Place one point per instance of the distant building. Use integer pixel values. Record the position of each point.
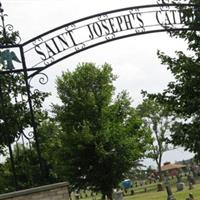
(172, 169)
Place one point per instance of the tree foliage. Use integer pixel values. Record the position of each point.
(27, 167)
(14, 115)
(182, 96)
(101, 137)
(156, 117)
(14, 110)
(50, 143)
(15, 118)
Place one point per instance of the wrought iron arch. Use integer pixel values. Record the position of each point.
(49, 48)
(72, 38)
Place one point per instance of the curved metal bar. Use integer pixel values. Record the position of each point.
(64, 41)
(100, 43)
(103, 14)
(10, 46)
(17, 71)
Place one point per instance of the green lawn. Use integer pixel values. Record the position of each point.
(152, 194)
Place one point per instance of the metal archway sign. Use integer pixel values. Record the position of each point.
(69, 39)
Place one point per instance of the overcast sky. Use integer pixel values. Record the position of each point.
(133, 59)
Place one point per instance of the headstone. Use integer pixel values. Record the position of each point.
(136, 184)
(77, 196)
(179, 178)
(169, 193)
(180, 186)
(191, 178)
(118, 195)
(125, 191)
(168, 188)
(132, 192)
(159, 187)
(179, 183)
(93, 195)
(190, 185)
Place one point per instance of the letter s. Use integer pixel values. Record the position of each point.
(39, 51)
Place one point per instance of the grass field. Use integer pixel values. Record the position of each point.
(152, 194)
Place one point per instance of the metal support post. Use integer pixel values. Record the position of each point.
(34, 125)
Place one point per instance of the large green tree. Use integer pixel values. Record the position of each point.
(182, 96)
(101, 137)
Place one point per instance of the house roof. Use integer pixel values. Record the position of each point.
(170, 166)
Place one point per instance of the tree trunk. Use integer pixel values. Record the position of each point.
(160, 173)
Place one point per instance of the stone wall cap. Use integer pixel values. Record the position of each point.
(33, 190)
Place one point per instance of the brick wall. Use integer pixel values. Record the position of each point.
(57, 191)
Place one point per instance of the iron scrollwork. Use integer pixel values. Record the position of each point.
(70, 27)
(49, 61)
(159, 2)
(42, 79)
(7, 31)
(28, 136)
(134, 11)
(102, 17)
(80, 46)
(110, 36)
(38, 41)
(165, 2)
